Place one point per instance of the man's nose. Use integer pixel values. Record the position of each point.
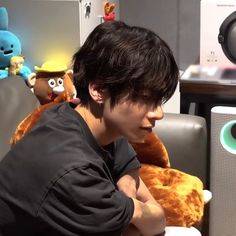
(156, 114)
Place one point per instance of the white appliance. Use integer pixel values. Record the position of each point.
(223, 171)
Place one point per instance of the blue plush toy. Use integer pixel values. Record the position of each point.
(10, 46)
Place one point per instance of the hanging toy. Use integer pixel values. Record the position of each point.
(109, 14)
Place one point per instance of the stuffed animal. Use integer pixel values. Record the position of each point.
(16, 65)
(66, 94)
(10, 47)
(180, 194)
(28, 123)
(48, 81)
(109, 13)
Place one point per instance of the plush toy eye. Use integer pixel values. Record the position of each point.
(60, 81)
(52, 83)
(2, 48)
(11, 45)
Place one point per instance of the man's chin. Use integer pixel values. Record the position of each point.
(137, 139)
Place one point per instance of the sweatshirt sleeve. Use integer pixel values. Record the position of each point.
(84, 202)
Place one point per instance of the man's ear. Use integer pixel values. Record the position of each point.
(96, 92)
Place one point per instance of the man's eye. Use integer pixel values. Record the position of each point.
(146, 97)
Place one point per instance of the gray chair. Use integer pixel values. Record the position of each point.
(16, 102)
(185, 137)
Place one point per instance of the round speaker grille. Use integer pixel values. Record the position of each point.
(228, 136)
(227, 37)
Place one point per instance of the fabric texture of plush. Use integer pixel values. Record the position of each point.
(180, 194)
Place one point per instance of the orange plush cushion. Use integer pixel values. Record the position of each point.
(180, 194)
(152, 151)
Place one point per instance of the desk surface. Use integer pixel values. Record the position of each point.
(209, 81)
(208, 89)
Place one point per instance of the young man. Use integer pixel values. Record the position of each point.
(75, 172)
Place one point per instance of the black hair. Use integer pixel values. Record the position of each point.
(125, 60)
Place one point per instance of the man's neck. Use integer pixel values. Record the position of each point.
(94, 119)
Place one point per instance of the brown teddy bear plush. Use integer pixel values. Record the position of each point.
(180, 194)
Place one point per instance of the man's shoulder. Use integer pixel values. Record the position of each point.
(63, 110)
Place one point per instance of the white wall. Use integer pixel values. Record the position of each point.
(49, 29)
(46, 29)
(173, 105)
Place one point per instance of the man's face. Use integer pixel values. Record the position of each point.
(133, 120)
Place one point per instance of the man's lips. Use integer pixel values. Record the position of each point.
(147, 128)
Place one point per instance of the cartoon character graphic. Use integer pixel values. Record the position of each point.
(10, 46)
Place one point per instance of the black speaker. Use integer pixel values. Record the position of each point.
(227, 37)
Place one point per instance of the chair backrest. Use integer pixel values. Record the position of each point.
(185, 137)
(16, 102)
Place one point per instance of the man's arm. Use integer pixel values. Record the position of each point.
(144, 195)
(148, 217)
(129, 184)
(133, 186)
